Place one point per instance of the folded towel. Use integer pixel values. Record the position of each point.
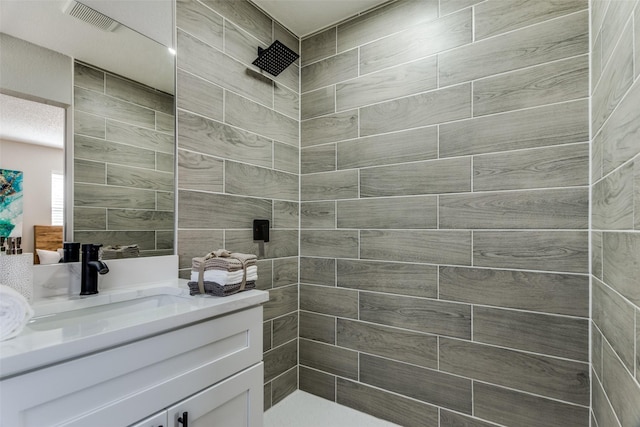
(218, 290)
(224, 260)
(224, 277)
(15, 312)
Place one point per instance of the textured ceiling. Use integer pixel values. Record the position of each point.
(27, 121)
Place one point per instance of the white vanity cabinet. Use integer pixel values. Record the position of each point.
(211, 369)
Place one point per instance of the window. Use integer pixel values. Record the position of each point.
(57, 198)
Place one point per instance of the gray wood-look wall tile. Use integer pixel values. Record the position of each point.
(621, 266)
(265, 269)
(397, 147)
(89, 172)
(329, 71)
(281, 301)
(89, 218)
(618, 134)
(199, 96)
(613, 25)
(596, 59)
(266, 391)
(543, 84)
(452, 103)
(550, 377)
(285, 329)
(329, 185)
(596, 351)
(617, 77)
(637, 346)
(91, 195)
(545, 292)
(318, 102)
(283, 243)
(284, 385)
(429, 246)
(400, 212)
(403, 80)
(318, 327)
(623, 392)
(319, 46)
(317, 383)
(137, 219)
(548, 209)
(328, 358)
(319, 158)
(89, 125)
(636, 26)
(209, 63)
(428, 177)
(537, 127)
(208, 210)
(144, 239)
(563, 251)
(195, 18)
(200, 172)
(329, 300)
(636, 193)
(242, 45)
(450, 6)
(416, 42)
(88, 77)
(555, 39)
(615, 318)
(279, 360)
(125, 176)
(285, 271)
(138, 94)
(597, 156)
(112, 108)
(423, 315)
(166, 122)
(596, 254)
(286, 101)
(452, 419)
(552, 335)
(559, 166)
(318, 215)
(404, 346)
(286, 37)
(197, 243)
(198, 134)
(389, 277)
(497, 404)
(289, 78)
(165, 200)
(285, 214)
(256, 181)
(256, 118)
(386, 406)
(424, 384)
(165, 239)
(266, 335)
(496, 18)
(318, 271)
(384, 21)
(139, 137)
(286, 157)
(246, 15)
(613, 200)
(331, 128)
(600, 406)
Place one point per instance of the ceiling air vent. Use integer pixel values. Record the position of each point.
(90, 16)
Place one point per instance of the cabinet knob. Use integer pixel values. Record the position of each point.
(184, 419)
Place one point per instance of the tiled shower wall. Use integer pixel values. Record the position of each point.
(444, 213)
(616, 212)
(123, 162)
(238, 157)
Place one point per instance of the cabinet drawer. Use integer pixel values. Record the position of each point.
(124, 384)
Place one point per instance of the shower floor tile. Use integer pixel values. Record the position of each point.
(301, 409)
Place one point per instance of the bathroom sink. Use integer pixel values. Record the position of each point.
(100, 315)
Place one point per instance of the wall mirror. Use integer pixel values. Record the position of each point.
(119, 126)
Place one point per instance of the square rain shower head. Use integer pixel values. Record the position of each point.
(275, 58)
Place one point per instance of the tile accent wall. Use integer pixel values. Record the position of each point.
(444, 260)
(615, 213)
(238, 157)
(123, 162)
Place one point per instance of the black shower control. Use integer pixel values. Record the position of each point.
(261, 230)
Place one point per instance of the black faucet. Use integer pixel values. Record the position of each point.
(91, 266)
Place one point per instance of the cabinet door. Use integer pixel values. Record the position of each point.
(234, 402)
(157, 420)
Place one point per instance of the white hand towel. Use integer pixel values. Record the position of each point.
(15, 312)
(223, 277)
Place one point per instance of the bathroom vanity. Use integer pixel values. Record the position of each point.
(147, 357)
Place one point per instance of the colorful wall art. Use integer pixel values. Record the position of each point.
(10, 203)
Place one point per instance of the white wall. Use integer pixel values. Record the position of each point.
(37, 162)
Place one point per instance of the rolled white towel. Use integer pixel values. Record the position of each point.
(223, 277)
(15, 312)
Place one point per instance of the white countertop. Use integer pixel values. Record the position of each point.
(59, 341)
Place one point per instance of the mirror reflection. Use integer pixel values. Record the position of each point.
(118, 116)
